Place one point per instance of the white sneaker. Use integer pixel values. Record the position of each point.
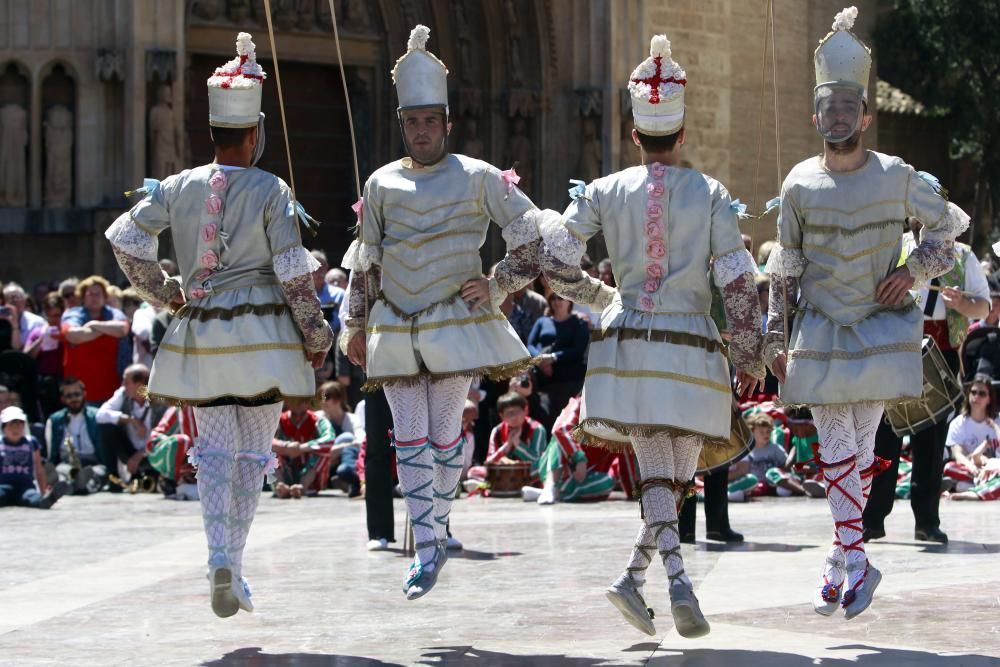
(548, 496)
(737, 497)
(471, 485)
(530, 493)
(454, 544)
(187, 492)
(380, 544)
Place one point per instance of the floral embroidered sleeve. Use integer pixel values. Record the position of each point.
(562, 249)
(734, 274)
(362, 291)
(941, 223)
(301, 297)
(783, 296)
(520, 265)
(135, 249)
(573, 283)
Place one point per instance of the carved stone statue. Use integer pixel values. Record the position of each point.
(307, 15)
(520, 152)
(164, 136)
(239, 11)
(357, 18)
(323, 16)
(58, 157)
(514, 43)
(13, 156)
(472, 145)
(588, 167)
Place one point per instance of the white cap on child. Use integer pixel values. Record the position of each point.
(13, 414)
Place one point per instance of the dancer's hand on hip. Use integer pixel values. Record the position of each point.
(476, 292)
(746, 384)
(357, 350)
(893, 288)
(316, 359)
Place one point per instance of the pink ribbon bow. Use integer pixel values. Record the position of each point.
(359, 209)
(510, 179)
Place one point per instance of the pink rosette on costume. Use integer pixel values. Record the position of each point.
(197, 293)
(203, 275)
(654, 229)
(656, 249)
(213, 204)
(654, 210)
(651, 285)
(655, 189)
(209, 259)
(646, 303)
(208, 232)
(658, 169)
(218, 181)
(654, 271)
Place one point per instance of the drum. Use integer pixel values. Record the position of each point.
(942, 393)
(506, 479)
(716, 455)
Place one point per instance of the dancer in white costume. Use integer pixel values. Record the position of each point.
(248, 326)
(433, 321)
(658, 378)
(855, 340)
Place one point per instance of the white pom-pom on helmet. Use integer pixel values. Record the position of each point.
(659, 45)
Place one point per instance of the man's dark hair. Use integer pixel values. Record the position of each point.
(658, 144)
(229, 137)
(511, 400)
(69, 381)
(586, 263)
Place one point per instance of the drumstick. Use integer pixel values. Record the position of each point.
(938, 288)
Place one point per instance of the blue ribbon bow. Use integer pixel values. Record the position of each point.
(310, 223)
(740, 209)
(579, 190)
(771, 205)
(149, 187)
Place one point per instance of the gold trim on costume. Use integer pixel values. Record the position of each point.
(435, 237)
(436, 224)
(851, 258)
(429, 326)
(499, 372)
(233, 349)
(581, 435)
(273, 392)
(659, 375)
(451, 276)
(449, 254)
(841, 211)
(860, 354)
(657, 336)
(845, 231)
(433, 208)
(226, 314)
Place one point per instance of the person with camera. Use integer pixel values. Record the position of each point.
(74, 449)
(126, 421)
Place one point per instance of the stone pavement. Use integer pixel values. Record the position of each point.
(119, 580)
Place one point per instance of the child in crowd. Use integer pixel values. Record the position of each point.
(21, 466)
(517, 437)
(763, 472)
(972, 435)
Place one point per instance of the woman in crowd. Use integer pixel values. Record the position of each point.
(559, 341)
(972, 434)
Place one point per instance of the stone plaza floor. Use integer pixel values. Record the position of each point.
(119, 580)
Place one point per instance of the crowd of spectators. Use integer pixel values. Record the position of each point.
(75, 356)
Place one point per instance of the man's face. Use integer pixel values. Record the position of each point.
(337, 278)
(606, 276)
(838, 112)
(53, 315)
(297, 408)
(425, 131)
(513, 417)
(73, 397)
(69, 298)
(133, 387)
(319, 274)
(94, 298)
(15, 299)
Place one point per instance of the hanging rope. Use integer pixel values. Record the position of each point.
(774, 79)
(281, 99)
(347, 100)
(760, 112)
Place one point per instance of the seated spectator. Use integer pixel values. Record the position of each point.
(167, 449)
(517, 437)
(566, 473)
(126, 421)
(334, 408)
(301, 432)
(559, 341)
(523, 308)
(972, 435)
(23, 321)
(45, 346)
(763, 472)
(344, 464)
(605, 272)
(21, 467)
(993, 319)
(92, 332)
(538, 404)
(987, 482)
(74, 450)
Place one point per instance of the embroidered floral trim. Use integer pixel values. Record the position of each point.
(559, 241)
(147, 277)
(293, 263)
(518, 268)
(361, 256)
(656, 233)
(785, 261)
(739, 298)
(301, 297)
(125, 235)
(572, 282)
(930, 259)
(784, 290)
(727, 268)
(522, 230)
